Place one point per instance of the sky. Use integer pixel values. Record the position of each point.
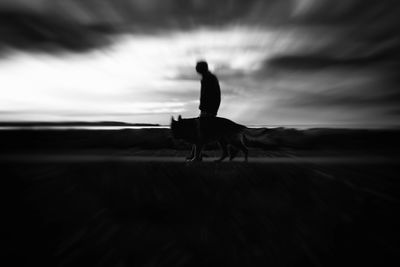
(279, 62)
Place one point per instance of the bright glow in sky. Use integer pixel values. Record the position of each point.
(148, 75)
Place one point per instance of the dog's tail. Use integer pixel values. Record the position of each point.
(255, 135)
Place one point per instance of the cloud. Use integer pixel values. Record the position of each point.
(79, 25)
(316, 62)
(365, 43)
(82, 25)
(366, 30)
(34, 32)
(330, 98)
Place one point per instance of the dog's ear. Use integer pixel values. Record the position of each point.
(172, 119)
(179, 118)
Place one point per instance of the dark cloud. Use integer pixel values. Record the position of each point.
(338, 98)
(366, 37)
(304, 62)
(366, 33)
(192, 13)
(38, 32)
(351, 12)
(82, 24)
(313, 62)
(395, 111)
(85, 24)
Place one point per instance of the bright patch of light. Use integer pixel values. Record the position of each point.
(139, 75)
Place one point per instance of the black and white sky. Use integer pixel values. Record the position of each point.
(280, 62)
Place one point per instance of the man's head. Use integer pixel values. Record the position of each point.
(202, 67)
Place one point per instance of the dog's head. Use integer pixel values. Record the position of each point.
(177, 127)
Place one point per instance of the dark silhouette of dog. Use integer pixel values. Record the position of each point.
(204, 130)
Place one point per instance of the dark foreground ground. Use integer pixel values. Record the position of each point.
(319, 197)
(168, 213)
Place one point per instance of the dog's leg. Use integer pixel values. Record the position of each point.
(198, 150)
(232, 152)
(238, 142)
(224, 148)
(246, 153)
(244, 148)
(192, 153)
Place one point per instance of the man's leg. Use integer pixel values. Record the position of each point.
(192, 153)
(224, 148)
(198, 152)
(199, 129)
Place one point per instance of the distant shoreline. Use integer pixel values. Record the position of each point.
(76, 124)
(115, 125)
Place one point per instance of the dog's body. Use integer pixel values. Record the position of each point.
(201, 131)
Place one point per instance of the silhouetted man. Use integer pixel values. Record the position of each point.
(210, 99)
(210, 92)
